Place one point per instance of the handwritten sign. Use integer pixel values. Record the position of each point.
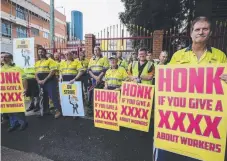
(190, 112)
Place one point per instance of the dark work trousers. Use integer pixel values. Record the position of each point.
(84, 83)
(17, 118)
(50, 89)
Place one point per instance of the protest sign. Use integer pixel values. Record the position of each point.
(190, 111)
(24, 52)
(106, 108)
(136, 105)
(71, 99)
(12, 99)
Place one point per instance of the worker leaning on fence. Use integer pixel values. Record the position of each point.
(16, 119)
(141, 71)
(70, 69)
(197, 53)
(115, 75)
(45, 76)
(33, 89)
(96, 68)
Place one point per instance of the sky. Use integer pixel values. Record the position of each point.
(97, 14)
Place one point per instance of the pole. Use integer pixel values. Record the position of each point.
(52, 32)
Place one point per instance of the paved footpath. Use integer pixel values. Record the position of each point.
(66, 139)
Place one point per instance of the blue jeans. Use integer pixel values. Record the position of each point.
(17, 118)
(50, 89)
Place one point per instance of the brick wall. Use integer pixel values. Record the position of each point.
(89, 45)
(157, 43)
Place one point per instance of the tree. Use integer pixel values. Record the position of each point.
(157, 14)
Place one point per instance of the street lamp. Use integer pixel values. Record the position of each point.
(62, 7)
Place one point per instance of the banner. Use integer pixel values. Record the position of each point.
(136, 105)
(190, 111)
(12, 99)
(23, 52)
(105, 109)
(71, 99)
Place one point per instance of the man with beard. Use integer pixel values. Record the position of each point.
(46, 78)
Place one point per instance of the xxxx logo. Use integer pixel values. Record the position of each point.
(134, 112)
(194, 123)
(106, 115)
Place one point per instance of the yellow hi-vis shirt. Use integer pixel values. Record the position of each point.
(115, 77)
(98, 65)
(30, 72)
(122, 63)
(187, 56)
(84, 63)
(45, 66)
(70, 67)
(8, 68)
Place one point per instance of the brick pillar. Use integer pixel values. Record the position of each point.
(89, 45)
(157, 43)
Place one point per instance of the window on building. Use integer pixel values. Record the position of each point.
(6, 29)
(21, 32)
(21, 12)
(35, 31)
(45, 35)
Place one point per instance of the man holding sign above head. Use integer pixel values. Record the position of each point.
(197, 53)
(115, 75)
(141, 71)
(16, 119)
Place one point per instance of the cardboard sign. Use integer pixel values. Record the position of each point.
(106, 109)
(71, 99)
(12, 99)
(190, 111)
(136, 106)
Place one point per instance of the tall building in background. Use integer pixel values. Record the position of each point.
(69, 31)
(77, 25)
(30, 18)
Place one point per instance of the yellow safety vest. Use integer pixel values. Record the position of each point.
(122, 63)
(7, 68)
(115, 77)
(71, 67)
(135, 71)
(98, 65)
(45, 66)
(30, 72)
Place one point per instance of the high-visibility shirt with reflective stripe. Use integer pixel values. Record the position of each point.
(70, 67)
(115, 77)
(8, 68)
(84, 63)
(123, 63)
(30, 72)
(45, 66)
(58, 67)
(187, 56)
(98, 65)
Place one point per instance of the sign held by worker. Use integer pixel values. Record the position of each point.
(136, 105)
(23, 52)
(106, 109)
(12, 99)
(71, 99)
(190, 111)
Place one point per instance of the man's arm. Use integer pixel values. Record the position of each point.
(52, 72)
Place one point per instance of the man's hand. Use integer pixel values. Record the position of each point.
(72, 81)
(41, 82)
(117, 89)
(224, 77)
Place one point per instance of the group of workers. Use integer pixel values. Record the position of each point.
(109, 74)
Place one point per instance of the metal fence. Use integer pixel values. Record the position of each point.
(173, 41)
